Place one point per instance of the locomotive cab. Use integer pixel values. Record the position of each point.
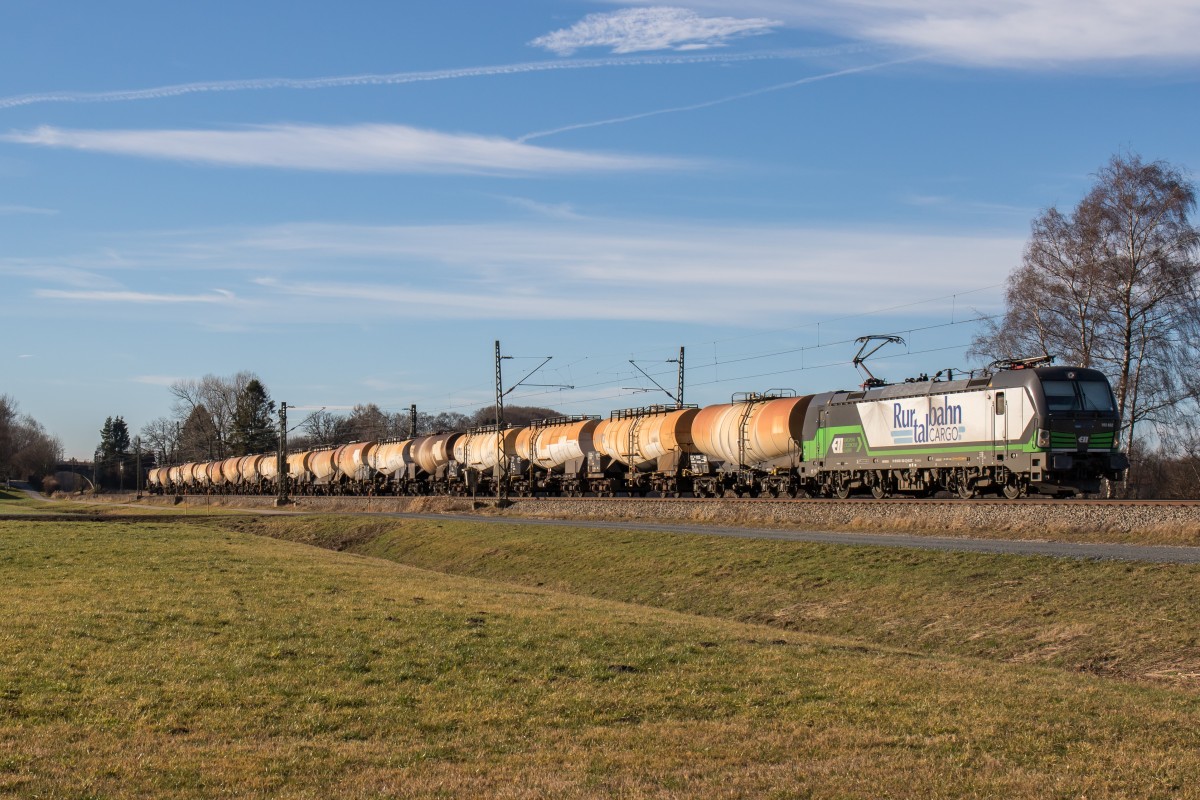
(1077, 434)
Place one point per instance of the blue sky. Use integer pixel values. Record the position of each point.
(354, 200)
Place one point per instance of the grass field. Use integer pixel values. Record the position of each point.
(187, 658)
(1130, 620)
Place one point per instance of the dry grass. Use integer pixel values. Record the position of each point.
(1129, 620)
(159, 659)
(1065, 521)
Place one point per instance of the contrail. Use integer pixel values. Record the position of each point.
(709, 103)
(258, 84)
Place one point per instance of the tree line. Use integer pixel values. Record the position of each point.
(221, 417)
(213, 418)
(27, 451)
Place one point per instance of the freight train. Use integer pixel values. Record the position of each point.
(1022, 429)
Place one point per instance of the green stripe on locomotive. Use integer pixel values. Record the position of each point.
(818, 448)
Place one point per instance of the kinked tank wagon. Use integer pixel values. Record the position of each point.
(1021, 430)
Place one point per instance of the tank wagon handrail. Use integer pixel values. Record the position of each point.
(646, 411)
(491, 428)
(758, 397)
(549, 421)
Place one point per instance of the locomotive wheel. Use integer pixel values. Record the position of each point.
(841, 491)
(879, 491)
(966, 492)
(1013, 490)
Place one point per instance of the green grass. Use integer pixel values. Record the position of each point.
(14, 501)
(160, 659)
(1129, 620)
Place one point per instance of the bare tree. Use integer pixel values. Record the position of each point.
(161, 437)
(8, 418)
(27, 451)
(320, 428)
(513, 415)
(369, 422)
(35, 452)
(199, 439)
(219, 397)
(1114, 285)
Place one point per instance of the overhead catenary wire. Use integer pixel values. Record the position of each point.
(614, 375)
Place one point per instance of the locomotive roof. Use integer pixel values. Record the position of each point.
(1000, 380)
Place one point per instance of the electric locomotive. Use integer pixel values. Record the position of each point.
(1023, 429)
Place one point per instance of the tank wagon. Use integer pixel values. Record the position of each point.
(643, 450)
(551, 456)
(1020, 430)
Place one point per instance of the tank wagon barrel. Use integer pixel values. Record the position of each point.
(639, 450)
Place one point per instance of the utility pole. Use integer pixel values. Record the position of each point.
(281, 458)
(678, 396)
(679, 392)
(137, 481)
(498, 470)
(500, 393)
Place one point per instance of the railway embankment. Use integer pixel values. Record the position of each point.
(1069, 520)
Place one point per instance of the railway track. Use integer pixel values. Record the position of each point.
(913, 502)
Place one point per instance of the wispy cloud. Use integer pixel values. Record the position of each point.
(718, 101)
(585, 270)
(399, 78)
(356, 148)
(543, 269)
(1003, 33)
(633, 30)
(10, 210)
(550, 210)
(218, 296)
(157, 380)
(969, 206)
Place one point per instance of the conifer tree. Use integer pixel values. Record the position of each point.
(253, 421)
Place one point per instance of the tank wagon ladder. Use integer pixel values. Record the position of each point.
(537, 427)
(636, 482)
(746, 479)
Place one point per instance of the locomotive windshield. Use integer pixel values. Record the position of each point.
(1078, 395)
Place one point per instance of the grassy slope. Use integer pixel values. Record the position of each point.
(13, 501)
(1113, 618)
(169, 660)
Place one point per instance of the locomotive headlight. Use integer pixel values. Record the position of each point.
(1043, 437)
